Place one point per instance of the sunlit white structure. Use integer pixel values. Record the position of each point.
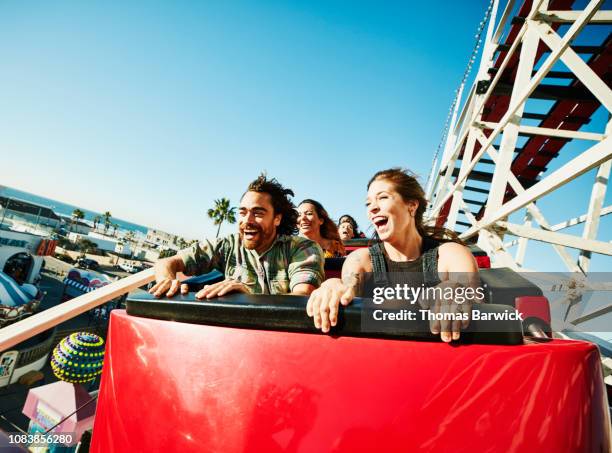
(485, 175)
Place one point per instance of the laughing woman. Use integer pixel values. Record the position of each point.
(315, 224)
(395, 206)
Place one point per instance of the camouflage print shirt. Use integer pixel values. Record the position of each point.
(290, 260)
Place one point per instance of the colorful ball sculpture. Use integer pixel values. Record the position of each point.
(78, 358)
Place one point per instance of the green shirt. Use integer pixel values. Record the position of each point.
(290, 261)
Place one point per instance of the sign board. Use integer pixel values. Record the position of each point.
(8, 360)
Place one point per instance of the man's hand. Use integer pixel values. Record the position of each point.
(222, 288)
(166, 283)
(324, 302)
(168, 287)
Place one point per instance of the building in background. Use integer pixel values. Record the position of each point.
(104, 243)
(17, 214)
(162, 240)
(76, 226)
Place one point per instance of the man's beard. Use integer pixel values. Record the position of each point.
(253, 236)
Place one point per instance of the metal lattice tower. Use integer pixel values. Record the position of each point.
(481, 156)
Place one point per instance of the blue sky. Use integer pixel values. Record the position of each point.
(153, 109)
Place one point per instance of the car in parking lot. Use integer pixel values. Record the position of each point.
(87, 263)
(130, 267)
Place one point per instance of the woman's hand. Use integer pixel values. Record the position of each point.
(324, 302)
(460, 313)
(222, 288)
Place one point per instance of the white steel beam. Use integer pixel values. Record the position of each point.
(452, 146)
(492, 244)
(567, 240)
(549, 132)
(488, 50)
(591, 225)
(451, 138)
(522, 242)
(458, 194)
(442, 195)
(468, 212)
(466, 111)
(507, 245)
(443, 187)
(532, 130)
(511, 129)
(600, 17)
(577, 65)
(593, 157)
(486, 62)
(503, 20)
(578, 220)
(533, 209)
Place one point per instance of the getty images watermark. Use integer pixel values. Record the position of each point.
(443, 302)
(493, 300)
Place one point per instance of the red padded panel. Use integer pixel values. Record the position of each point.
(171, 386)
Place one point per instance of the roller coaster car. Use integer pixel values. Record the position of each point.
(250, 373)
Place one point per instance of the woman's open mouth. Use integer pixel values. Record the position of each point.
(380, 222)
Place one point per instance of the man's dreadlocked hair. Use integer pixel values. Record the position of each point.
(281, 202)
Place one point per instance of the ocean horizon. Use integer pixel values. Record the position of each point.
(66, 209)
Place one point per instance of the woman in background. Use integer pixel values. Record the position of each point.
(315, 224)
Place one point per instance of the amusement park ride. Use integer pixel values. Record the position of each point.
(250, 373)
(481, 143)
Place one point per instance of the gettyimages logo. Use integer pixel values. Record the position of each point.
(502, 298)
(412, 294)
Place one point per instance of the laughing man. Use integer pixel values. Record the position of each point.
(262, 258)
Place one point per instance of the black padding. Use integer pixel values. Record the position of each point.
(288, 313)
(197, 283)
(503, 286)
(334, 264)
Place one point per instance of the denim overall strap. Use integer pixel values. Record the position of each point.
(379, 266)
(430, 267)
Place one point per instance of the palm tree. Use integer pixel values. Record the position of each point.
(107, 220)
(87, 246)
(115, 226)
(222, 213)
(96, 220)
(77, 214)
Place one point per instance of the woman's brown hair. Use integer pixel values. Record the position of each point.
(329, 230)
(406, 184)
